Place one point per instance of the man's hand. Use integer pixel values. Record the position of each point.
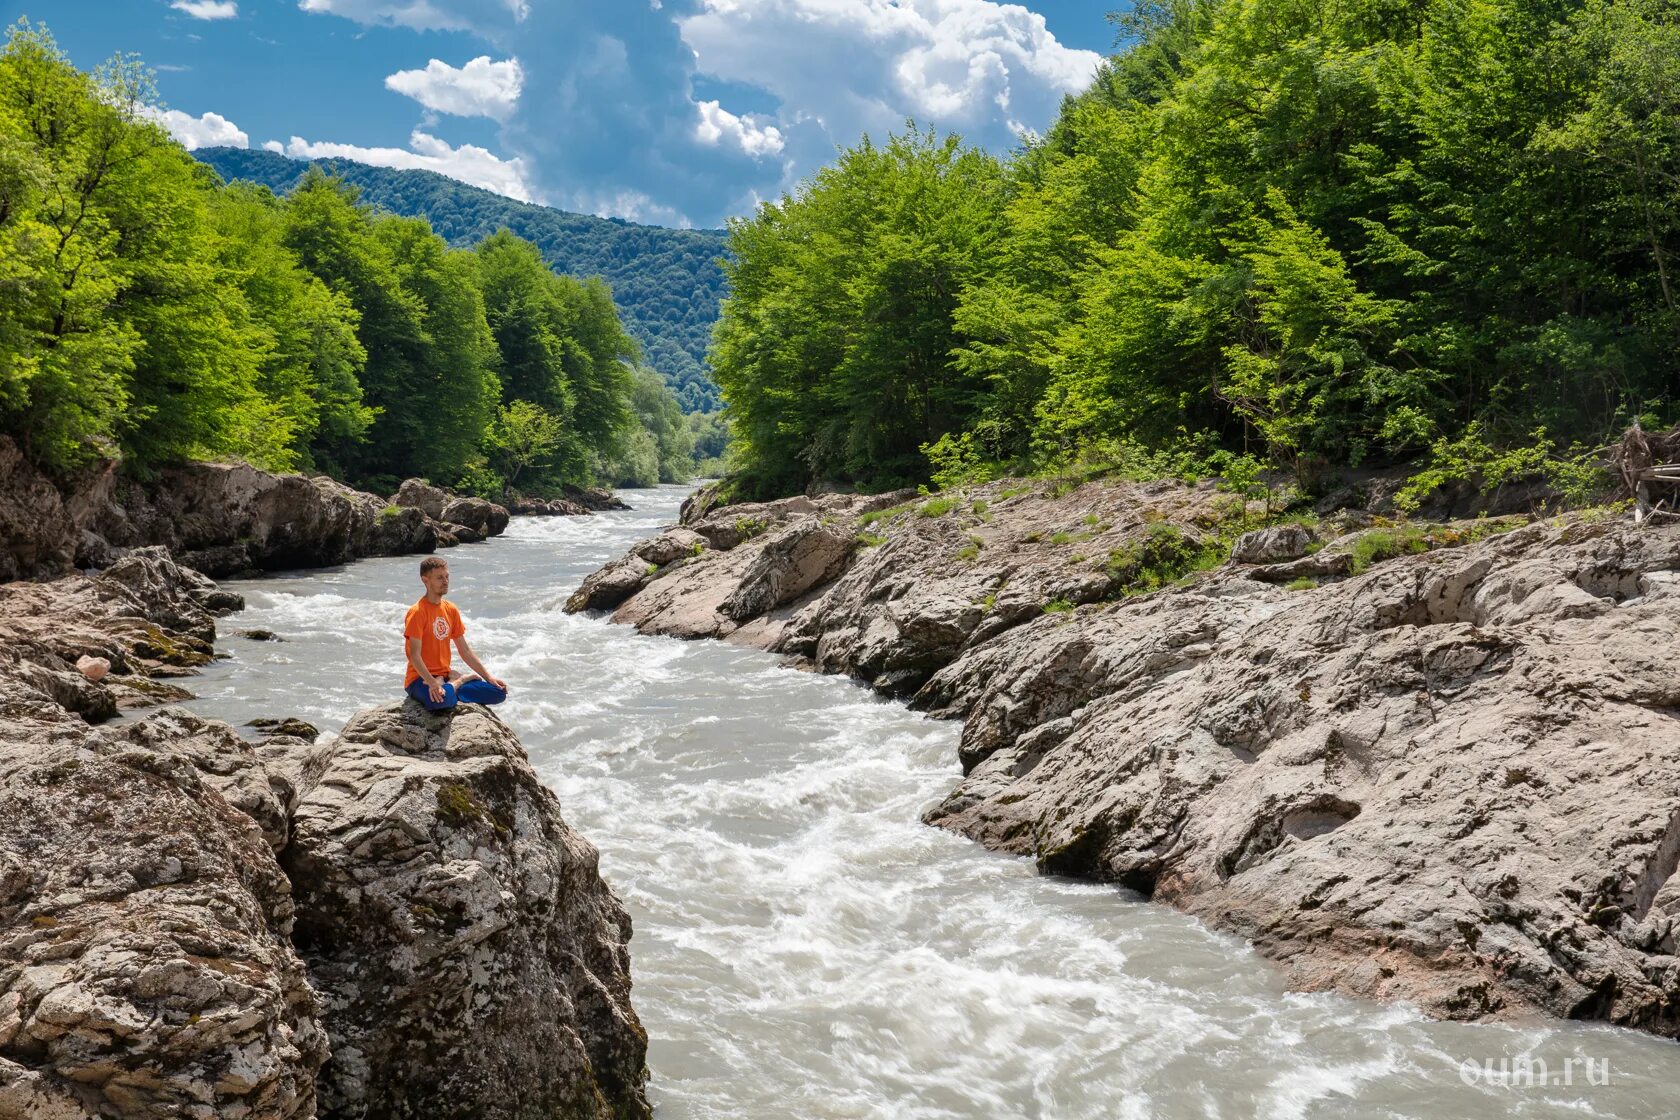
(435, 691)
(499, 683)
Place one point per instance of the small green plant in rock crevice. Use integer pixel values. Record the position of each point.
(1163, 557)
(883, 514)
(1385, 544)
(750, 527)
(937, 507)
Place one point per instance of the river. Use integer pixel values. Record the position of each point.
(805, 947)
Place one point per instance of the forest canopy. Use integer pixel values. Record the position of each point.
(151, 313)
(1330, 234)
(666, 282)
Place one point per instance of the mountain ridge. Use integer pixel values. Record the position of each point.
(666, 282)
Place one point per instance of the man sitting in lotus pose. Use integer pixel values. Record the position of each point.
(431, 625)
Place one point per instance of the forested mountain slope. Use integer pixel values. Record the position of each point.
(666, 282)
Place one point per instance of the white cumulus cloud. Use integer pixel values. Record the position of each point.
(866, 65)
(755, 139)
(207, 131)
(207, 9)
(423, 15)
(469, 163)
(481, 88)
(621, 106)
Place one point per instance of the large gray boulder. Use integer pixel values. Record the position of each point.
(1447, 781)
(609, 586)
(792, 561)
(417, 493)
(1274, 544)
(474, 962)
(190, 923)
(146, 965)
(485, 518)
(671, 545)
(227, 518)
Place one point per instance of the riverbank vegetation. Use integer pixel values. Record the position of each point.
(152, 313)
(1271, 233)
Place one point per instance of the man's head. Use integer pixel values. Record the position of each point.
(434, 574)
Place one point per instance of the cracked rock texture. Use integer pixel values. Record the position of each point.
(217, 518)
(396, 923)
(146, 967)
(1453, 778)
(472, 962)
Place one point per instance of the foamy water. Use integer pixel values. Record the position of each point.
(805, 947)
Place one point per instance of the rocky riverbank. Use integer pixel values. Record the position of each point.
(226, 519)
(394, 922)
(1437, 763)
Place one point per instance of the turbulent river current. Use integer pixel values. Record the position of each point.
(805, 948)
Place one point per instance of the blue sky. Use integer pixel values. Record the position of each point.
(675, 112)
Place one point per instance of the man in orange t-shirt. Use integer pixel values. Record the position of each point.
(430, 626)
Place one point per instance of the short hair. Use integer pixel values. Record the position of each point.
(432, 564)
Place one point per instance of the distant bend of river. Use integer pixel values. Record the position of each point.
(805, 948)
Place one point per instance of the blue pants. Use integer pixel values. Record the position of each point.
(473, 692)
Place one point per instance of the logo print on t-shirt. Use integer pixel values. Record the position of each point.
(440, 628)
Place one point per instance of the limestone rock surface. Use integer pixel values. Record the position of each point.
(225, 518)
(487, 519)
(146, 966)
(1453, 778)
(473, 961)
(191, 923)
(39, 534)
(417, 493)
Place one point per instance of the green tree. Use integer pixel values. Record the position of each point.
(524, 436)
(309, 356)
(435, 421)
(333, 238)
(834, 346)
(121, 327)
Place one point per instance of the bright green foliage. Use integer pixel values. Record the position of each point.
(334, 239)
(120, 325)
(1377, 545)
(659, 447)
(1573, 473)
(834, 347)
(956, 460)
(147, 310)
(444, 390)
(309, 358)
(1327, 234)
(525, 435)
(64, 366)
(709, 434)
(666, 282)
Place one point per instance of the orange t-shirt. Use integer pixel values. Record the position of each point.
(436, 627)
